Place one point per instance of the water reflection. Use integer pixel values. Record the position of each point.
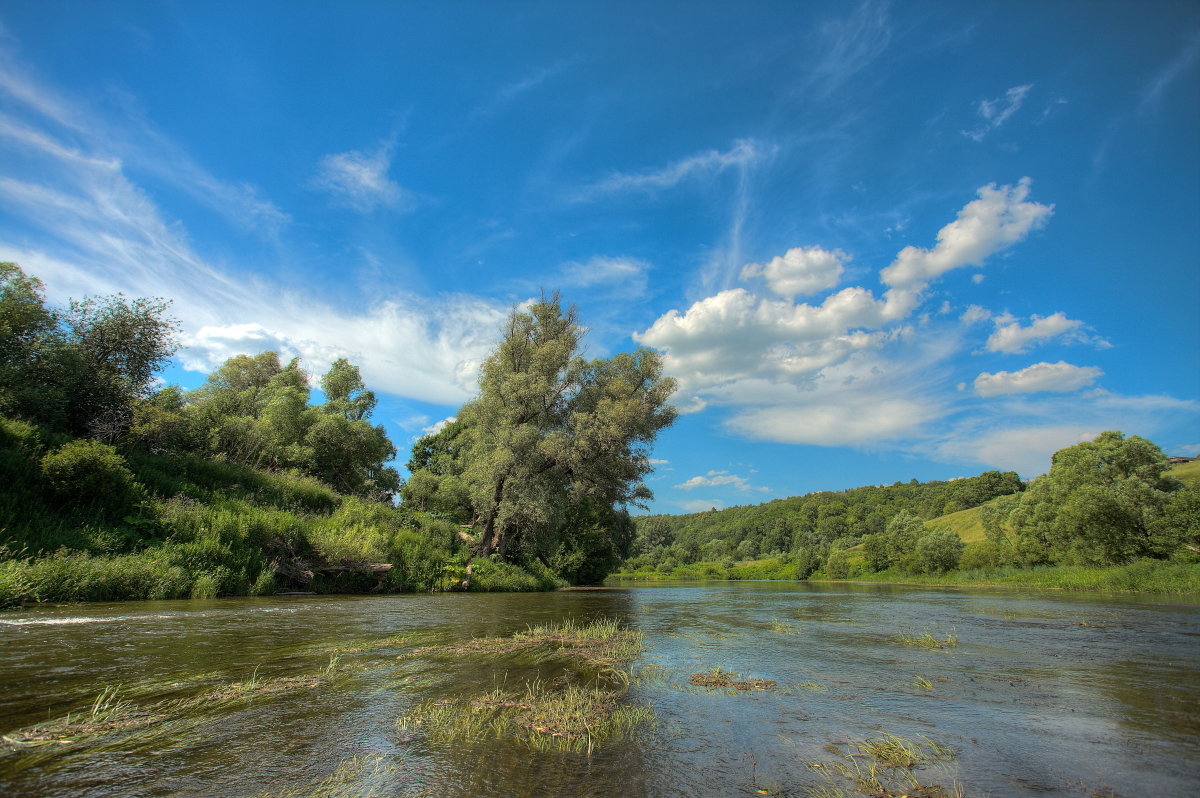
(1042, 694)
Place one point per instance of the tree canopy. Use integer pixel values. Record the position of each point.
(554, 444)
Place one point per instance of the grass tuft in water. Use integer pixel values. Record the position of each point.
(930, 641)
(356, 777)
(923, 683)
(720, 679)
(884, 766)
(575, 718)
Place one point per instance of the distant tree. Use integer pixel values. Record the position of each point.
(938, 551)
(1102, 501)
(82, 369)
(837, 566)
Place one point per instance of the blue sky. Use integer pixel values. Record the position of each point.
(874, 242)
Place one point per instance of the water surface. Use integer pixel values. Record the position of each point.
(1045, 694)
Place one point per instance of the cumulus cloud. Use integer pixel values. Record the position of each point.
(1000, 218)
(1011, 337)
(995, 112)
(714, 479)
(438, 426)
(736, 335)
(705, 164)
(359, 180)
(800, 271)
(1060, 377)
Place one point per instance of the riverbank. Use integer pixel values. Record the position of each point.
(1143, 576)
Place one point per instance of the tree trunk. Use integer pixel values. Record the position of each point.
(489, 540)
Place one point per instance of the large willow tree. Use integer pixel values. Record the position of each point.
(553, 438)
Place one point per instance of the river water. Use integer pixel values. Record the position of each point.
(1045, 694)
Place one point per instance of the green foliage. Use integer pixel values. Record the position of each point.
(938, 551)
(489, 575)
(1103, 501)
(85, 472)
(804, 527)
(545, 459)
(79, 370)
(837, 566)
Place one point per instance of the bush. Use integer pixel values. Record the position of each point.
(87, 472)
(937, 552)
(837, 567)
(495, 576)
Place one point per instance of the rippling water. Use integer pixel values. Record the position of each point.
(1045, 694)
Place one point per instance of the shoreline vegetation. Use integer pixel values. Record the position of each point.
(121, 488)
(1143, 576)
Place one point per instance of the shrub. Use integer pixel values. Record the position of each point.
(937, 552)
(87, 472)
(837, 567)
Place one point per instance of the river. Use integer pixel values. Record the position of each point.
(1044, 694)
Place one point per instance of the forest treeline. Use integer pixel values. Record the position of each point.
(1108, 502)
(118, 487)
(801, 532)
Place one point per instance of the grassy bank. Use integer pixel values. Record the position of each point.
(1143, 576)
(139, 526)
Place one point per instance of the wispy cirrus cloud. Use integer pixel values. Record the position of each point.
(358, 179)
(85, 225)
(995, 112)
(58, 133)
(1185, 58)
(705, 164)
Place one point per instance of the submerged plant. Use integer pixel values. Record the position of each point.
(717, 678)
(928, 640)
(574, 718)
(884, 766)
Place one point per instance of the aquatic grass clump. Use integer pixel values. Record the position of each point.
(929, 641)
(112, 716)
(355, 777)
(577, 711)
(721, 679)
(603, 646)
(574, 718)
(884, 766)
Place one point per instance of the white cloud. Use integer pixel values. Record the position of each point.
(1184, 60)
(735, 335)
(359, 180)
(1020, 434)
(854, 419)
(627, 274)
(1057, 377)
(802, 270)
(1011, 338)
(714, 479)
(97, 232)
(654, 461)
(1000, 218)
(996, 112)
(708, 163)
(973, 314)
